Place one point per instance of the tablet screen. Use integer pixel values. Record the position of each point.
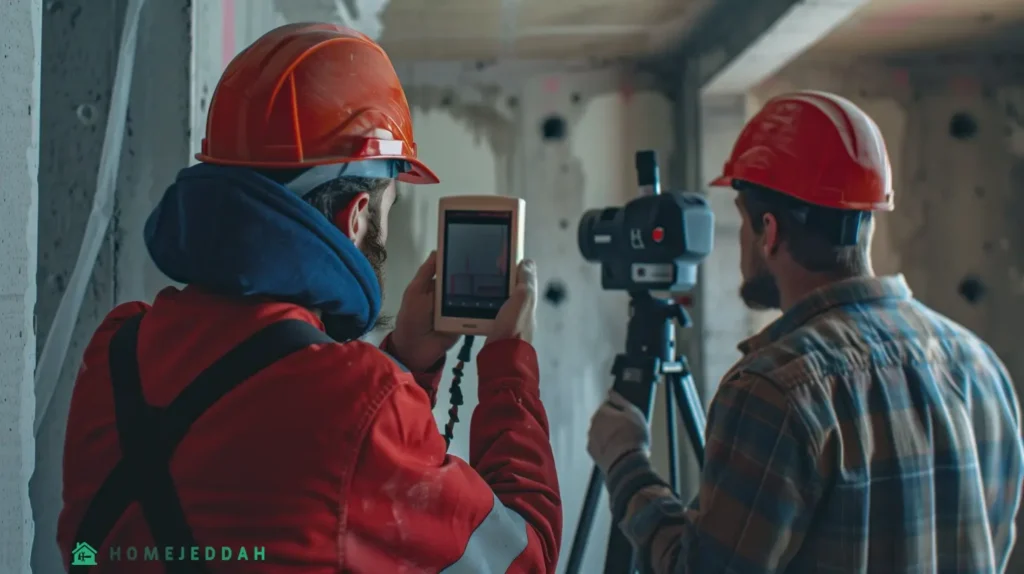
(476, 263)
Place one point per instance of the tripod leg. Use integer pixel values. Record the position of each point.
(673, 439)
(619, 556)
(579, 542)
(619, 559)
(692, 411)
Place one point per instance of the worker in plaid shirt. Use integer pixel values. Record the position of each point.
(861, 431)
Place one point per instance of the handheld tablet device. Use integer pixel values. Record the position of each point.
(479, 246)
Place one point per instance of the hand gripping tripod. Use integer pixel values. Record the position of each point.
(650, 355)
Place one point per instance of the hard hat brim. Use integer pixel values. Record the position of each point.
(420, 174)
(721, 181)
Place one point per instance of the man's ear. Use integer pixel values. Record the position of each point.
(770, 234)
(354, 219)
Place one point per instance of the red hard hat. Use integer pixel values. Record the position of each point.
(816, 147)
(311, 94)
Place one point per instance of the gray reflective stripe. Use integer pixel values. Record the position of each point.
(499, 540)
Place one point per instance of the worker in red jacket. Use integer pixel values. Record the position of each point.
(239, 424)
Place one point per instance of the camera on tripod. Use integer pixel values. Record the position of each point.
(653, 243)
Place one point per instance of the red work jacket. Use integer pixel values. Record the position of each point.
(327, 461)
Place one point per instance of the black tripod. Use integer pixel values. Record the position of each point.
(650, 354)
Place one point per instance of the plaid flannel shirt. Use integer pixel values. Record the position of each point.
(861, 432)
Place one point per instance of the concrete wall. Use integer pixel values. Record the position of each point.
(79, 56)
(221, 29)
(955, 131)
(19, 197)
(157, 139)
(578, 339)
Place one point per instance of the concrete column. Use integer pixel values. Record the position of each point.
(687, 176)
(19, 200)
(79, 57)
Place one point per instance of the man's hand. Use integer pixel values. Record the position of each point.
(415, 342)
(617, 429)
(518, 316)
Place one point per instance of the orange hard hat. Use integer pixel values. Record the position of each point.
(307, 95)
(816, 147)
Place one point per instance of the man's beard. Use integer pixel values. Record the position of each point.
(761, 291)
(377, 254)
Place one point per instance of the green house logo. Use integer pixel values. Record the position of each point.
(83, 555)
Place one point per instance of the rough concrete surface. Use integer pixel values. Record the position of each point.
(78, 60)
(19, 161)
(156, 144)
(79, 57)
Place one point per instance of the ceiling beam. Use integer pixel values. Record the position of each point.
(736, 44)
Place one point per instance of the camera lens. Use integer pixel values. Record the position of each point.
(585, 235)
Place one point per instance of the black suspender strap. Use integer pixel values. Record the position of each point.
(147, 457)
(149, 436)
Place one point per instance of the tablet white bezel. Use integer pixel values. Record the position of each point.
(515, 205)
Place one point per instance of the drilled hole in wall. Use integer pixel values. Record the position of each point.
(972, 289)
(962, 126)
(86, 114)
(563, 224)
(575, 97)
(553, 128)
(555, 292)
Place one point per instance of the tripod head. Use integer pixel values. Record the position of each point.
(649, 332)
(650, 348)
